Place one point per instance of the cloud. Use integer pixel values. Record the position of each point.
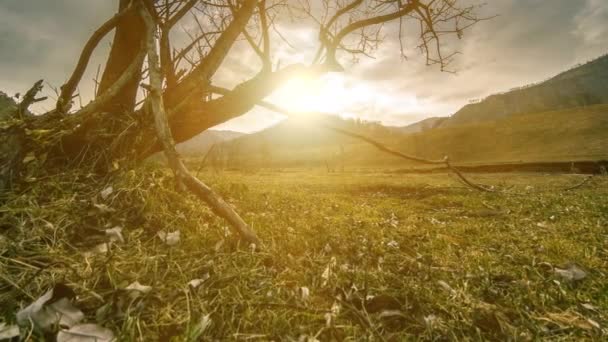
(529, 41)
(43, 39)
(591, 28)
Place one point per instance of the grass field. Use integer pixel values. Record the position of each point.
(345, 256)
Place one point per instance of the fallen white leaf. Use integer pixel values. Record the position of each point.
(102, 248)
(115, 234)
(37, 312)
(329, 317)
(104, 208)
(86, 333)
(218, 245)
(572, 273)
(105, 193)
(8, 331)
(446, 286)
(136, 286)
(328, 270)
(68, 314)
(307, 338)
(205, 322)
(304, 293)
(430, 320)
(335, 308)
(200, 328)
(170, 239)
(589, 307)
(194, 283)
(393, 244)
(29, 157)
(594, 324)
(45, 315)
(436, 222)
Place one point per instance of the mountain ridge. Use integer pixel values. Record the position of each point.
(201, 143)
(583, 85)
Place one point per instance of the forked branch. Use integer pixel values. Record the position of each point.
(67, 90)
(30, 98)
(155, 103)
(115, 88)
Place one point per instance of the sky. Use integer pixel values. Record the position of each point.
(528, 41)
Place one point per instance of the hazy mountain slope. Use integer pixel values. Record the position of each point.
(581, 86)
(307, 131)
(570, 134)
(421, 126)
(200, 144)
(305, 142)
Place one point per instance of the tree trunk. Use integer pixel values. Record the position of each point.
(127, 43)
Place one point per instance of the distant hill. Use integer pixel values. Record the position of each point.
(581, 86)
(303, 141)
(200, 144)
(562, 135)
(307, 130)
(421, 126)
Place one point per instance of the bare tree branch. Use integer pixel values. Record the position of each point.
(166, 62)
(217, 204)
(67, 90)
(336, 41)
(30, 98)
(209, 65)
(111, 92)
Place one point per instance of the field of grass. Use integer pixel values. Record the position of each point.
(345, 256)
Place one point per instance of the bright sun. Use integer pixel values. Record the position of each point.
(327, 94)
(334, 94)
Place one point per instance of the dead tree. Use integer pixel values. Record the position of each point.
(179, 101)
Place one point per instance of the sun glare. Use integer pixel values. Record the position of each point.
(303, 95)
(333, 94)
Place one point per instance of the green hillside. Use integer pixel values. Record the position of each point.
(583, 85)
(564, 135)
